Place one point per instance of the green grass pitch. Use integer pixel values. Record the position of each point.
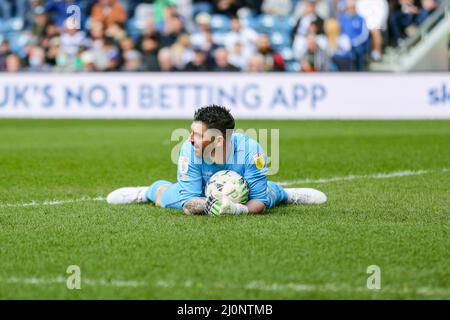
(399, 223)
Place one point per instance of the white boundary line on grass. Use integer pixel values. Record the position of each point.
(385, 175)
(253, 285)
(35, 203)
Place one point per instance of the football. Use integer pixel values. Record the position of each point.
(228, 183)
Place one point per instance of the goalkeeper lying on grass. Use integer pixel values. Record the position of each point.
(212, 130)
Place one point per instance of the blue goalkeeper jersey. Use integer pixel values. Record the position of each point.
(246, 158)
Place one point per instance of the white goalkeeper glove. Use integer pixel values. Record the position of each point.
(219, 204)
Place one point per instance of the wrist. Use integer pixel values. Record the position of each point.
(240, 209)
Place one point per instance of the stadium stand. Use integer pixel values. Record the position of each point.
(184, 35)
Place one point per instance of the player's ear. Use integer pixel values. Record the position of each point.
(220, 141)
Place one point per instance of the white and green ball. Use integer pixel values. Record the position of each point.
(228, 183)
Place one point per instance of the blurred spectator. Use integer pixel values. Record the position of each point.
(58, 10)
(354, 26)
(181, 51)
(428, 7)
(116, 32)
(165, 61)
(339, 46)
(323, 8)
(71, 40)
(160, 9)
(312, 54)
(132, 61)
(111, 55)
(237, 58)
(221, 61)
(277, 7)
(199, 62)
(406, 16)
(198, 37)
(4, 52)
(302, 25)
(108, 12)
(52, 51)
(36, 60)
(172, 29)
(256, 63)
(149, 48)
(154, 35)
(273, 61)
(51, 31)
(40, 22)
(87, 61)
(226, 7)
(375, 12)
(13, 63)
(126, 45)
(149, 28)
(253, 5)
(245, 37)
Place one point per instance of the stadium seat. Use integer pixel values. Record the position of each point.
(252, 23)
(279, 40)
(17, 42)
(268, 23)
(201, 7)
(293, 66)
(220, 23)
(13, 24)
(134, 28)
(287, 54)
(143, 11)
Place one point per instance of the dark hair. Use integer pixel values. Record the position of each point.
(215, 117)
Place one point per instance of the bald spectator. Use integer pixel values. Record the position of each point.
(165, 61)
(221, 61)
(256, 63)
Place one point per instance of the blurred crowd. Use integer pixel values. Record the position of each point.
(199, 35)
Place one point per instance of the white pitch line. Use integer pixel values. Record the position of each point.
(254, 285)
(35, 203)
(383, 175)
(62, 280)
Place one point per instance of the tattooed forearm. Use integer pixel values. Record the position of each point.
(194, 206)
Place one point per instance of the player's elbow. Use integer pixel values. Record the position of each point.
(256, 206)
